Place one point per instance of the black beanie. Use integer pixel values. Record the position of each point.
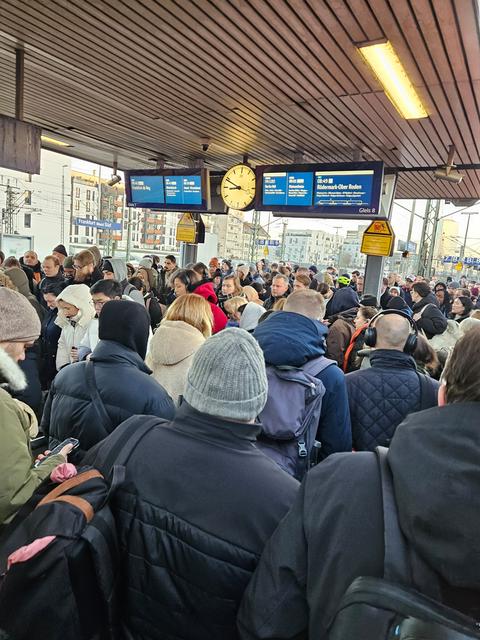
(396, 302)
(61, 249)
(127, 323)
(368, 300)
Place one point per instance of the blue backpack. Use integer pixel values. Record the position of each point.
(291, 416)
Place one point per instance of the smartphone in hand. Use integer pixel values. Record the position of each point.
(69, 441)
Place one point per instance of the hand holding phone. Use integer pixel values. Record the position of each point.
(64, 448)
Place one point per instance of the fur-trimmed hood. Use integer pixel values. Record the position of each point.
(10, 373)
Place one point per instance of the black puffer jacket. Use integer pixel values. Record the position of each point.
(381, 396)
(125, 386)
(198, 505)
(428, 316)
(317, 551)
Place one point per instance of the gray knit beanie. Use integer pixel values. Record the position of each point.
(18, 319)
(227, 377)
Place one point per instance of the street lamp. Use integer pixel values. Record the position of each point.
(464, 246)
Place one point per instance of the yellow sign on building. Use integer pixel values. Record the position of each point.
(378, 239)
(187, 229)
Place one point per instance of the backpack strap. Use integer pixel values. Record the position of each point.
(396, 563)
(126, 438)
(315, 366)
(97, 402)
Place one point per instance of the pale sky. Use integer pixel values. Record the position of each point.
(400, 217)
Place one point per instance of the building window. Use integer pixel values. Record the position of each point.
(28, 197)
(77, 192)
(93, 196)
(27, 220)
(76, 230)
(87, 206)
(88, 194)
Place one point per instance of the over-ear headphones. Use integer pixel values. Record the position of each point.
(371, 332)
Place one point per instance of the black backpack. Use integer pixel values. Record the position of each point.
(68, 590)
(383, 609)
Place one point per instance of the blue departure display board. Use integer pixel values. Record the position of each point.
(147, 189)
(174, 189)
(349, 190)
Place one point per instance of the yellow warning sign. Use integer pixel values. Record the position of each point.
(265, 251)
(459, 266)
(187, 229)
(378, 239)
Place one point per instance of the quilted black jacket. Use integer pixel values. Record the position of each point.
(198, 505)
(383, 395)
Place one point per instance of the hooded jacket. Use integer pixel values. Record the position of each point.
(290, 339)
(340, 332)
(251, 315)
(198, 504)
(428, 316)
(125, 386)
(382, 395)
(219, 318)
(18, 477)
(73, 329)
(119, 269)
(343, 299)
(334, 531)
(20, 280)
(171, 353)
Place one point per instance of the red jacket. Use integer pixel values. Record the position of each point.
(219, 318)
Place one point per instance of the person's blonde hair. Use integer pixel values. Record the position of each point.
(251, 294)
(233, 304)
(194, 310)
(279, 304)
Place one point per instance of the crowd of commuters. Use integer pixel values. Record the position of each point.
(254, 501)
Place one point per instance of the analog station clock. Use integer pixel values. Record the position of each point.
(238, 187)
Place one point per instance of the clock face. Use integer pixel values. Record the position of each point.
(238, 187)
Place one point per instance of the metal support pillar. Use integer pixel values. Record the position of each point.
(253, 240)
(284, 234)
(19, 82)
(188, 253)
(373, 276)
(429, 234)
(129, 233)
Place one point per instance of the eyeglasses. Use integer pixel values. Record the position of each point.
(100, 304)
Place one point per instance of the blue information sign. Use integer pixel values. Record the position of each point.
(275, 188)
(192, 190)
(349, 190)
(288, 189)
(174, 189)
(98, 224)
(299, 189)
(343, 188)
(147, 189)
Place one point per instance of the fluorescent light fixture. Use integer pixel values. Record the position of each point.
(59, 143)
(392, 76)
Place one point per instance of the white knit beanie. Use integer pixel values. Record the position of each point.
(227, 377)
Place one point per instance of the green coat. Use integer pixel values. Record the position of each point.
(18, 477)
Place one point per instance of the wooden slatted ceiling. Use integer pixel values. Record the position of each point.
(131, 79)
